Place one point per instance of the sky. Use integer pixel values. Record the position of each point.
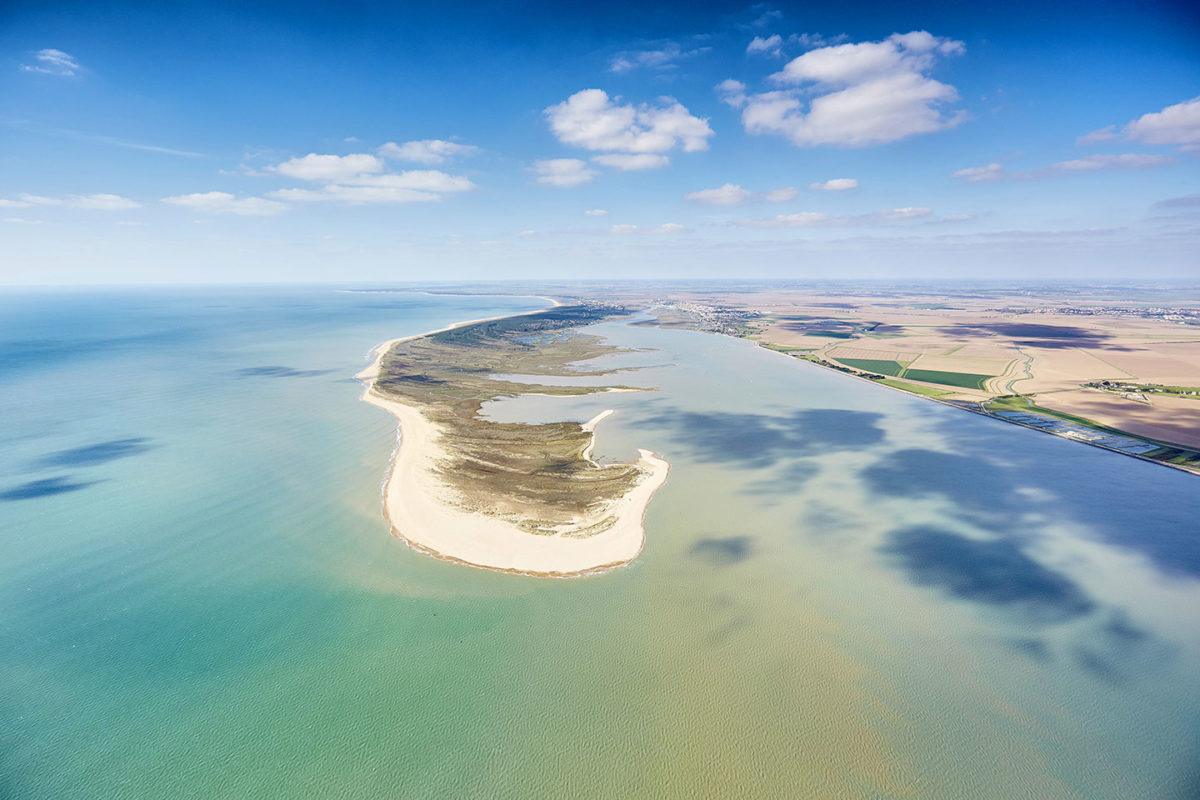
(332, 142)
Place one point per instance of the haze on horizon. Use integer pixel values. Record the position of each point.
(262, 142)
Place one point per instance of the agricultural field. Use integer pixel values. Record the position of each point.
(972, 346)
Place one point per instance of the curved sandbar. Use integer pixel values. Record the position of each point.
(588, 526)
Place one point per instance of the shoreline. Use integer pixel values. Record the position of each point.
(419, 513)
(980, 411)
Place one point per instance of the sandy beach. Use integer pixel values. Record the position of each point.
(418, 506)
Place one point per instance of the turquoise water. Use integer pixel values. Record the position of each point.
(845, 591)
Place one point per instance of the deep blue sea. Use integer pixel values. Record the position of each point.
(845, 591)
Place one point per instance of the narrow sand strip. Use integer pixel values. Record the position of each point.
(416, 504)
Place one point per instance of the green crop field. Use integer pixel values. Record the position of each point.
(880, 366)
(967, 380)
(915, 388)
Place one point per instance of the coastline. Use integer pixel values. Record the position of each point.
(420, 513)
(981, 412)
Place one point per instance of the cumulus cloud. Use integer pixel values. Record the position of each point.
(732, 194)
(591, 120)
(360, 178)
(665, 56)
(855, 95)
(728, 195)
(732, 93)
(1178, 125)
(53, 62)
(562, 172)
(102, 202)
(426, 151)
(769, 46)
(997, 172)
(626, 162)
(834, 185)
(596, 212)
(225, 203)
(316, 167)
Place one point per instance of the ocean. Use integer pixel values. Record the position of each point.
(845, 591)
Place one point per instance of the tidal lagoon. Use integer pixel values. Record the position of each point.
(844, 591)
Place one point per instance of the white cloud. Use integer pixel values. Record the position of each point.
(732, 93)
(527, 232)
(997, 172)
(356, 195)
(589, 119)
(21, 221)
(908, 212)
(103, 202)
(770, 46)
(360, 179)
(38, 200)
(812, 40)
(666, 227)
(728, 195)
(426, 151)
(225, 203)
(991, 172)
(1103, 135)
(802, 219)
(656, 230)
(91, 202)
(562, 172)
(807, 219)
(315, 167)
(854, 95)
(596, 212)
(425, 180)
(834, 185)
(1178, 125)
(53, 62)
(626, 162)
(732, 194)
(1123, 161)
(663, 57)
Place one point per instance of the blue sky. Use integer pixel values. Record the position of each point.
(212, 142)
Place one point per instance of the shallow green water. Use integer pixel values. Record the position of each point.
(845, 591)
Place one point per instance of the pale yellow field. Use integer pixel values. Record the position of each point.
(1171, 419)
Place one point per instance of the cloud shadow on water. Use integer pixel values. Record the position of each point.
(996, 573)
(94, 454)
(723, 551)
(46, 487)
(971, 483)
(762, 440)
(280, 372)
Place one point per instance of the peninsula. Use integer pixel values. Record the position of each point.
(512, 497)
